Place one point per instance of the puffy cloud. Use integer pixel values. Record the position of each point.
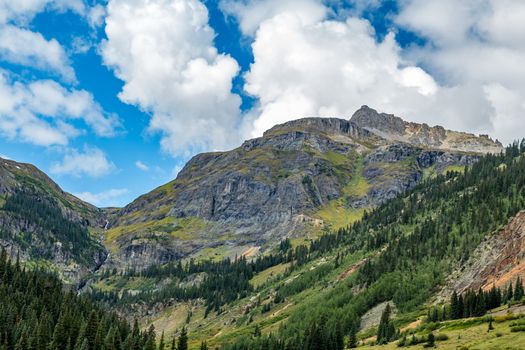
(19, 45)
(22, 11)
(476, 47)
(163, 51)
(41, 112)
(141, 166)
(109, 198)
(22, 46)
(467, 76)
(328, 68)
(91, 161)
(96, 15)
(251, 13)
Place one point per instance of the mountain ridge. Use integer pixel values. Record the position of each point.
(297, 180)
(40, 222)
(291, 182)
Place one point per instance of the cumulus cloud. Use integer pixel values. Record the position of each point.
(141, 166)
(163, 51)
(467, 76)
(328, 68)
(109, 198)
(91, 161)
(251, 13)
(476, 47)
(95, 15)
(41, 112)
(22, 11)
(22, 46)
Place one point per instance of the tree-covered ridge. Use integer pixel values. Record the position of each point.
(42, 224)
(37, 314)
(224, 281)
(419, 238)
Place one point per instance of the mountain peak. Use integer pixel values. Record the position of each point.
(393, 128)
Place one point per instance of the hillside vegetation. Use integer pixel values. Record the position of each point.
(400, 252)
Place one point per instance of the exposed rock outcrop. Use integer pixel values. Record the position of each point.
(496, 262)
(394, 128)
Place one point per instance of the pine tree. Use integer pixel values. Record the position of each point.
(510, 294)
(431, 341)
(23, 343)
(518, 291)
(59, 341)
(352, 339)
(454, 307)
(386, 331)
(161, 342)
(150, 339)
(491, 327)
(461, 307)
(182, 343)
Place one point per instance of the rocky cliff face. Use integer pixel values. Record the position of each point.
(394, 128)
(498, 261)
(46, 226)
(295, 180)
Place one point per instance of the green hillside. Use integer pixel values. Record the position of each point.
(301, 297)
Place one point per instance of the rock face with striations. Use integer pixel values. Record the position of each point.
(296, 179)
(394, 128)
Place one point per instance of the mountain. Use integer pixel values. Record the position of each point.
(298, 180)
(423, 255)
(45, 226)
(360, 231)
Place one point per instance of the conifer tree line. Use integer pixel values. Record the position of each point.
(37, 314)
(474, 304)
(225, 280)
(43, 212)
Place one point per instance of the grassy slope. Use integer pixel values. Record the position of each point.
(235, 321)
(470, 334)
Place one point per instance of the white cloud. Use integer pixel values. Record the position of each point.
(251, 13)
(109, 198)
(476, 48)
(91, 161)
(328, 68)
(41, 112)
(23, 11)
(472, 79)
(20, 11)
(96, 15)
(141, 166)
(163, 51)
(22, 46)
(4, 157)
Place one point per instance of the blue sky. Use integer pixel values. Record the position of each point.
(139, 86)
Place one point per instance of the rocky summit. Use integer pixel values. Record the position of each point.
(296, 181)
